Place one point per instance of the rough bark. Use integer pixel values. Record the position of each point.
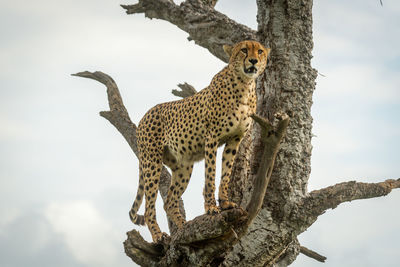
(319, 201)
(287, 85)
(276, 204)
(206, 236)
(312, 254)
(206, 26)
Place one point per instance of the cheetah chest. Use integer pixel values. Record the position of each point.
(238, 119)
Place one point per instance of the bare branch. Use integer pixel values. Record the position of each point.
(222, 229)
(186, 90)
(330, 197)
(288, 255)
(206, 227)
(210, 235)
(119, 117)
(143, 245)
(206, 26)
(271, 139)
(312, 254)
(140, 251)
(210, 3)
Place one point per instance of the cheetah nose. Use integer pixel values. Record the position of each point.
(253, 61)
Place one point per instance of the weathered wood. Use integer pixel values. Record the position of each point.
(319, 201)
(119, 117)
(186, 90)
(205, 26)
(277, 205)
(312, 254)
(271, 139)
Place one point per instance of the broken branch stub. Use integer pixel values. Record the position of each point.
(186, 90)
(141, 251)
(312, 254)
(210, 235)
(271, 137)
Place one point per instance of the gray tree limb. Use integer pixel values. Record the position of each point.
(312, 254)
(206, 26)
(271, 138)
(186, 90)
(119, 117)
(211, 235)
(141, 251)
(318, 201)
(288, 256)
(330, 197)
(287, 85)
(211, 3)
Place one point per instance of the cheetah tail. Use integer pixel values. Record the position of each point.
(136, 218)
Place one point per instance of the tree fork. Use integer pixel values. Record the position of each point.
(206, 235)
(287, 85)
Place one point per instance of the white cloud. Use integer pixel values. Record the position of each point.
(89, 236)
(12, 129)
(364, 84)
(355, 234)
(54, 138)
(8, 216)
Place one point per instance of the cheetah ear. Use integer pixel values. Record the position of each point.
(228, 49)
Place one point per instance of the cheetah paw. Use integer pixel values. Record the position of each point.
(160, 238)
(179, 223)
(212, 209)
(226, 205)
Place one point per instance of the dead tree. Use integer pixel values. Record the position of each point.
(263, 232)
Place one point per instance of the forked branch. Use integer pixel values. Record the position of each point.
(119, 117)
(207, 235)
(186, 90)
(271, 137)
(206, 26)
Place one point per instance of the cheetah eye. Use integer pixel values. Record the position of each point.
(260, 51)
(244, 50)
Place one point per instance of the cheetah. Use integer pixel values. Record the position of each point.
(182, 132)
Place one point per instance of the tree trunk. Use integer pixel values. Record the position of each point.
(251, 236)
(287, 85)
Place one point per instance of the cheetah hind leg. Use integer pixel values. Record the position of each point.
(151, 175)
(180, 179)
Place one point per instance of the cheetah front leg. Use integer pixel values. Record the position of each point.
(180, 179)
(228, 157)
(209, 188)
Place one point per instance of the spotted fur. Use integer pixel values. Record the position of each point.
(182, 132)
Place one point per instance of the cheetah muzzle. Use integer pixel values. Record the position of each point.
(179, 133)
(251, 70)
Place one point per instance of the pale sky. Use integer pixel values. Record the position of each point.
(68, 178)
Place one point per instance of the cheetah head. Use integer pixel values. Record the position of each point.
(247, 59)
